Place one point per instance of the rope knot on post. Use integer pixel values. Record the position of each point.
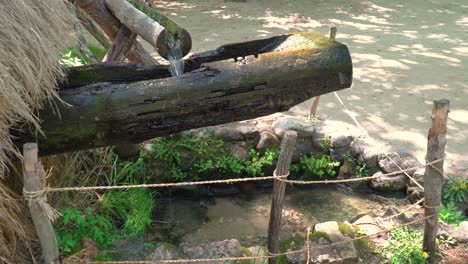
(40, 198)
(35, 193)
(283, 176)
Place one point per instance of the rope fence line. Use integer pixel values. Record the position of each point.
(441, 174)
(377, 222)
(72, 259)
(363, 130)
(31, 195)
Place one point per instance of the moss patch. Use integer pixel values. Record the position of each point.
(106, 256)
(294, 243)
(317, 235)
(346, 230)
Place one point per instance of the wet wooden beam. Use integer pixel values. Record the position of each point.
(129, 111)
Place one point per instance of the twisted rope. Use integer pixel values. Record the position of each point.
(348, 112)
(162, 185)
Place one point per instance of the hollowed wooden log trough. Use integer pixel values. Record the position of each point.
(111, 104)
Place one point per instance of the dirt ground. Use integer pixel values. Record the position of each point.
(405, 55)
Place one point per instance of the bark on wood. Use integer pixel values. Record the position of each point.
(79, 35)
(121, 45)
(32, 182)
(97, 10)
(433, 176)
(147, 27)
(135, 20)
(110, 113)
(146, 58)
(284, 161)
(114, 72)
(92, 28)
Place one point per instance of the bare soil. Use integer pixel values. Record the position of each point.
(405, 54)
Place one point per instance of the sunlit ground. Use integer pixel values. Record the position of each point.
(405, 55)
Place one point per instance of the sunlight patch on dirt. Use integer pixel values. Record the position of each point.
(292, 21)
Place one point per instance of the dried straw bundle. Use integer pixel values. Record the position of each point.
(17, 235)
(32, 34)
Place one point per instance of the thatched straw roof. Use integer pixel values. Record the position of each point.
(32, 33)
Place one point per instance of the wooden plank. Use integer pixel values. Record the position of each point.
(433, 176)
(284, 162)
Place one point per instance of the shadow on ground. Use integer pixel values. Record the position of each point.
(405, 54)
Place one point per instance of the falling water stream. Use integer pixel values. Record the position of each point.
(175, 55)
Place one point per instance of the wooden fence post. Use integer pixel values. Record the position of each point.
(316, 99)
(282, 168)
(33, 183)
(433, 176)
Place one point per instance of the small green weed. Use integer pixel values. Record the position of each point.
(253, 167)
(228, 164)
(362, 170)
(317, 168)
(77, 224)
(450, 214)
(405, 247)
(294, 242)
(456, 190)
(131, 209)
(209, 158)
(325, 144)
(71, 59)
(168, 149)
(106, 256)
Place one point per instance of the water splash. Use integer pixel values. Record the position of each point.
(175, 55)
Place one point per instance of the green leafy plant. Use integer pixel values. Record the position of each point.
(75, 57)
(71, 59)
(168, 149)
(209, 158)
(253, 167)
(318, 167)
(130, 209)
(76, 224)
(228, 164)
(405, 247)
(450, 214)
(325, 144)
(362, 170)
(456, 190)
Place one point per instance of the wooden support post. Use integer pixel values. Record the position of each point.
(121, 45)
(315, 100)
(42, 224)
(332, 32)
(433, 176)
(284, 161)
(314, 106)
(98, 11)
